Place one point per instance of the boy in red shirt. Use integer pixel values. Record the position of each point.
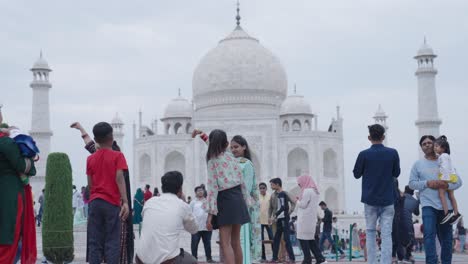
(108, 199)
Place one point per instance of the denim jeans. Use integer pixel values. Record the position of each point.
(270, 237)
(327, 236)
(103, 232)
(385, 215)
(431, 219)
(206, 237)
(282, 226)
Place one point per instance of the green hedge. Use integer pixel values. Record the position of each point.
(57, 229)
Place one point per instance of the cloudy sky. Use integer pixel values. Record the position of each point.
(110, 57)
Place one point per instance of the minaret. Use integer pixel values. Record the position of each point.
(381, 118)
(40, 123)
(428, 121)
(117, 124)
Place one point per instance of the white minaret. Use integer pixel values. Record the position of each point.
(117, 124)
(428, 121)
(40, 122)
(381, 118)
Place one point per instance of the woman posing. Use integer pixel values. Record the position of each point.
(306, 219)
(251, 241)
(227, 198)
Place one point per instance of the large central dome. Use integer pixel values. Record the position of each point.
(239, 71)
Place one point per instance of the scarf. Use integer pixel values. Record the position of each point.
(306, 182)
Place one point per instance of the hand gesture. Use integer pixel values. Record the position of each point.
(76, 125)
(196, 132)
(124, 211)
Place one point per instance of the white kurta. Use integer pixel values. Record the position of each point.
(307, 215)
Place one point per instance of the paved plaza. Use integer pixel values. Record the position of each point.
(80, 249)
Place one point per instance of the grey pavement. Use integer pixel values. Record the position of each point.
(80, 249)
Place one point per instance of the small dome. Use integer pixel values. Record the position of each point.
(425, 50)
(380, 112)
(295, 104)
(178, 108)
(41, 64)
(117, 120)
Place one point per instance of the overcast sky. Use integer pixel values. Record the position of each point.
(110, 57)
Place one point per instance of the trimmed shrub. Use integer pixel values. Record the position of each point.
(57, 229)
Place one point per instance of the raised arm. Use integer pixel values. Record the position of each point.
(90, 145)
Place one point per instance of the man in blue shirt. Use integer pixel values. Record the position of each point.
(424, 178)
(378, 166)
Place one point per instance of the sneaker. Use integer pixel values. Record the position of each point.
(455, 219)
(210, 261)
(446, 218)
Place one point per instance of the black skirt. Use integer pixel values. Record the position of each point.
(232, 208)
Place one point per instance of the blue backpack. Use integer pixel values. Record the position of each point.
(27, 146)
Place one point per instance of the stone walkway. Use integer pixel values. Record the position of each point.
(80, 249)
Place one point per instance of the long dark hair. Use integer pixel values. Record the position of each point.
(241, 141)
(218, 144)
(443, 143)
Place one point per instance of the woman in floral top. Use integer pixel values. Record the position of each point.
(251, 240)
(227, 196)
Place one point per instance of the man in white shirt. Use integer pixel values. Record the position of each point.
(200, 216)
(164, 218)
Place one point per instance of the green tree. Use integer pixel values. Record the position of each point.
(57, 229)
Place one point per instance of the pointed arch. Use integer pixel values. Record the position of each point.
(298, 162)
(145, 168)
(177, 128)
(174, 161)
(285, 126)
(296, 125)
(330, 163)
(188, 128)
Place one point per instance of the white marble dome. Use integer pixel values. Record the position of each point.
(295, 104)
(178, 108)
(239, 70)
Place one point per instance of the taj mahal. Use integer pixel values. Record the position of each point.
(241, 87)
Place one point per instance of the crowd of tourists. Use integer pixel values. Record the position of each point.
(236, 205)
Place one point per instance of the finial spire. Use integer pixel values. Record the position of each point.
(238, 18)
(40, 54)
(179, 92)
(295, 88)
(425, 40)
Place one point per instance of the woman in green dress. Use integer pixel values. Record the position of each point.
(251, 241)
(16, 209)
(138, 202)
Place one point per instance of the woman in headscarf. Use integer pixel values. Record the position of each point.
(16, 203)
(126, 236)
(138, 202)
(306, 219)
